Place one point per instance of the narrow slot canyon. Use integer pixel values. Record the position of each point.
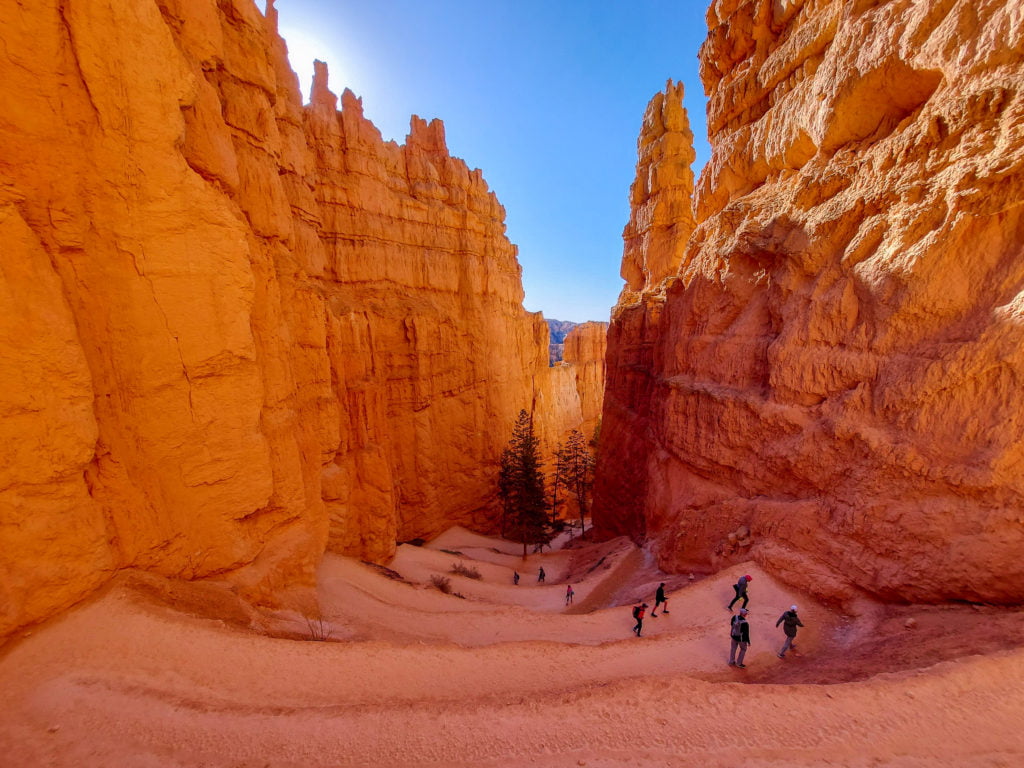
(290, 476)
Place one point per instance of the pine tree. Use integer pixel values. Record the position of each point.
(579, 467)
(558, 479)
(521, 487)
(506, 488)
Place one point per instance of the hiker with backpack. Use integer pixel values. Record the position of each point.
(659, 599)
(569, 594)
(790, 621)
(740, 587)
(541, 575)
(638, 614)
(515, 578)
(739, 633)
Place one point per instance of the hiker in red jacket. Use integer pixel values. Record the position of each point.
(638, 614)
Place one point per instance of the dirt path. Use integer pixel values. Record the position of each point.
(509, 676)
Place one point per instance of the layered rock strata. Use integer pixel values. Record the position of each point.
(584, 356)
(571, 393)
(828, 379)
(236, 330)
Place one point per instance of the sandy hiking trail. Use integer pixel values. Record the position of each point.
(509, 675)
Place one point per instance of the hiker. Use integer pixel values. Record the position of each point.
(659, 598)
(739, 633)
(790, 621)
(638, 614)
(740, 588)
(569, 594)
(540, 575)
(515, 578)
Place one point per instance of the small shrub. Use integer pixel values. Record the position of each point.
(465, 570)
(459, 595)
(452, 552)
(384, 571)
(319, 629)
(443, 583)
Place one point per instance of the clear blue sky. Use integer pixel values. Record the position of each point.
(545, 96)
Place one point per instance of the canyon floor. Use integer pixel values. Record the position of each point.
(144, 675)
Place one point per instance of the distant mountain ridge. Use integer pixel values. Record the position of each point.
(559, 329)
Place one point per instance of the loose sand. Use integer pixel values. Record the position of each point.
(509, 675)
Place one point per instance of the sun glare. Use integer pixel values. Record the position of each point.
(303, 48)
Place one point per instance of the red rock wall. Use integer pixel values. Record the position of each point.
(236, 331)
(570, 393)
(829, 382)
(584, 357)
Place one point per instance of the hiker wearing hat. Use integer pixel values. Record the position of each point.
(638, 614)
(659, 599)
(790, 621)
(741, 591)
(739, 632)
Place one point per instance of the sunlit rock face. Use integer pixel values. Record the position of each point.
(584, 355)
(235, 331)
(570, 394)
(661, 208)
(830, 381)
(426, 337)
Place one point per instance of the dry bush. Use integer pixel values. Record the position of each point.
(319, 629)
(465, 570)
(443, 583)
(385, 571)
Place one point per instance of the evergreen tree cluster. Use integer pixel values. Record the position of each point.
(521, 487)
(574, 466)
(521, 484)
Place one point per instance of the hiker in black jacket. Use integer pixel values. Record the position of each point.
(790, 621)
(659, 599)
(739, 632)
(740, 588)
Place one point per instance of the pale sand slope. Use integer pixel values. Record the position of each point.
(505, 677)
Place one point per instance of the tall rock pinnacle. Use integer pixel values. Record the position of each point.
(831, 387)
(661, 198)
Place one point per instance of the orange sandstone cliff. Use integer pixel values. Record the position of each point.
(570, 393)
(236, 331)
(584, 357)
(816, 362)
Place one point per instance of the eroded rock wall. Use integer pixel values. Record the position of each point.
(829, 382)
(235, 330)
(584, 354)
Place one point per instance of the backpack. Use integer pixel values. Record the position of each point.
(735, 628)
(636, 611)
